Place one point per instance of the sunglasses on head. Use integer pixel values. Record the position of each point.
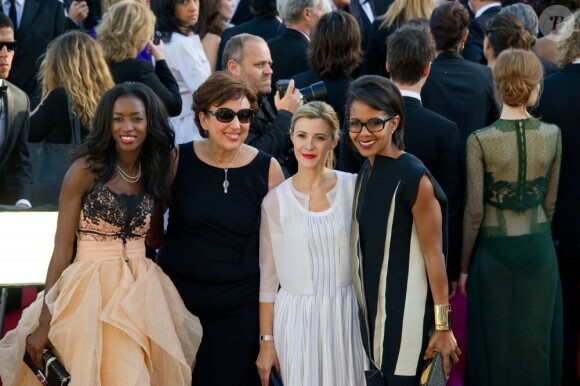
(10, 46)
(226, 115)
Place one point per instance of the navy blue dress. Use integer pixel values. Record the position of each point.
(211, 254)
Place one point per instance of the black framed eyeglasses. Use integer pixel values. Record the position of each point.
(10, 46)
(373, 125)
(226, 115)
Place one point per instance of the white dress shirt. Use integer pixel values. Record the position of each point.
(19, 10)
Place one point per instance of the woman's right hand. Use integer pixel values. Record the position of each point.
(37, 342)
(157, 51)
(267, 358)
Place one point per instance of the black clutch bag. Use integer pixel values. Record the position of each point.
(433, 373)
(54, 373)
(275, 378)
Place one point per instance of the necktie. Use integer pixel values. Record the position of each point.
(12, 14)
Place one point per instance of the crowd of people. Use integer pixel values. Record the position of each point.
(261, 190)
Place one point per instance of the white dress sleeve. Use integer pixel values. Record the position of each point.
(188, 59)
(269, 223)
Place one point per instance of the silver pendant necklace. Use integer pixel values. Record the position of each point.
(127, 177)
(226, 183)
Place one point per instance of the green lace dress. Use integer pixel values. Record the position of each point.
(514, 297)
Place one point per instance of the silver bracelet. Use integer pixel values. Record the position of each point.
(266, 338)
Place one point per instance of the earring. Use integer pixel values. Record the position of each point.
(462, 47)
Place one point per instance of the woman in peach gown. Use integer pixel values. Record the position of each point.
(111, 317)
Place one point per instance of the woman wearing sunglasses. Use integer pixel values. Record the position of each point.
(211, 245)
(399, 226)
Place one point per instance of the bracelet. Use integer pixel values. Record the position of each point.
(266, 338)
(442, 317)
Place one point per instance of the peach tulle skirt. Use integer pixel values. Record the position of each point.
(113, 323)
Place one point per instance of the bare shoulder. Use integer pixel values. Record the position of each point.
(275, 175)
(79, 175)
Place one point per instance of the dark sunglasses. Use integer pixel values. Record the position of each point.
(373, 125)
(226, 115)
(10, 46)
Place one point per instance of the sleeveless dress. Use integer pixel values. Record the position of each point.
(390, 276)
(210, 253)
(116, 317)
(514, 302)
(316, 327)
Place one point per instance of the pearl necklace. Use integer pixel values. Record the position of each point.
(126, 177)
(226, 183)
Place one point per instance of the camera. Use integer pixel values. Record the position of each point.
(316, 91)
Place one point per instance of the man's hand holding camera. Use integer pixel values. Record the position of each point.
(291, 99)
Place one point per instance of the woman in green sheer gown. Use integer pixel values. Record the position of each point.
(514, 297)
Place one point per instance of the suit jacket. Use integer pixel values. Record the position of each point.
(160, 80)
(243, 12)
(266, 28)
(473, 50)
(461, 91)
(435, 141)
(289, 53)
(375, 56)
(42, 21)
(269, 132)
(364, 23)
(15, 168)
(559, 104)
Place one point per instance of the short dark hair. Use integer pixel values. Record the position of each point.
(335, 45)
(448, 23)
(409, 51)
(264, 8)
(158, 151)
(164, 11)
(5, 22)
(379, 93)
(219, 88)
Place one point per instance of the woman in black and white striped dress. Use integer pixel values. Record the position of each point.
(399, 235)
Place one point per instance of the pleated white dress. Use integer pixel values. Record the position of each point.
(316, 326)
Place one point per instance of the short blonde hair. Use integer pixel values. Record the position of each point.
(124, 28)
(568, 46)
(517, 73)
(319, 110)
(75, 62)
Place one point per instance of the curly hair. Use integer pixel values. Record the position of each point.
(219, 88)
(507, 31)
(568, 46)
(158, 151)
(319, 110)
(123, 30)
(517, 73)
(334, 57)
(75, 62)
(210, 19)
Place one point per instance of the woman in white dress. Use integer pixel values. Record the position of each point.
(309, 328)
(185, 57)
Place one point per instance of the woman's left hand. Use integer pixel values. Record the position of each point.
(445, 343)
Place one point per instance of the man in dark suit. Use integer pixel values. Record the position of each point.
(242, 13)
(430, 137)
(38, 22)
(560, 104)
(484, 11)
(15, 168)
(289, 49)
(265, 24)
(248, 57)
